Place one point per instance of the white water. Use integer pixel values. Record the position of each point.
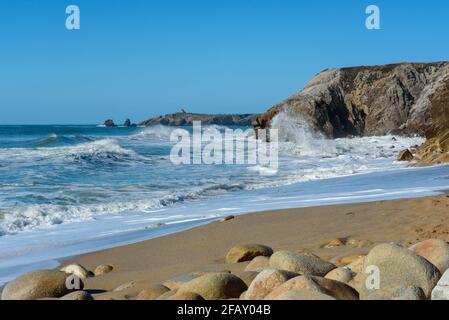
(65, 200)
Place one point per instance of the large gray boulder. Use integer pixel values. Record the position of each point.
(302, 263)
(39, 284)
(398, 267)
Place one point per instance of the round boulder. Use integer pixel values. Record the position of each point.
(215, 286)
(302, 263)
(38, 284)
(399, 267)
(103, 269)
(435, 251)
(266, 281)
(335, 289)
(247, 252)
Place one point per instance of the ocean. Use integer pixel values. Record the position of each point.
(71, 189)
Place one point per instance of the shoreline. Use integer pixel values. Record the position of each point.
(202, 249)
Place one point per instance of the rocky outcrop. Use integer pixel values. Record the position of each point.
(186, 119)
(129, 124)
(399, 98)
(109, 123)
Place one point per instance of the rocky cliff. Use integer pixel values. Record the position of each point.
(186, 119)
(405, 98)
(375, 100)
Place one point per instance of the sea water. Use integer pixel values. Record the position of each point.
(66, 190)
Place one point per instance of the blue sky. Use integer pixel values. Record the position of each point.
(140, 58)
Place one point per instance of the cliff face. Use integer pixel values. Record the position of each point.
(436, 148)
(376, 100)
(186, 119)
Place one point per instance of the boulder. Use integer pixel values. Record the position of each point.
(153, 292)
(185, 296)
(78, 295)
(335, 289)
(258, 263)
(266, 281)
(77, 270)
(38, 284)
(247, 252)
(344, 275)
(103, 269)
(129, 124)
(302, 263)
(304, 296)
(407, 293)
(435, 251)
(441, 291)
(215, 286)
(399, 267)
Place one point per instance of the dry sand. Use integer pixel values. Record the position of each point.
(204, 248)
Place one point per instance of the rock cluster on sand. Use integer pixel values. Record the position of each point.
(388, 272)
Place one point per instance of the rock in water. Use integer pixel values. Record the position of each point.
(335, 289)
(302, 263)
(38, 284)
(103, 269)
(247, 252)
(109, 123)
(77, 270)
(398, 267)
(186, 119)
(405, 155)
(267, 281)
(441, 291)
(215, 286)
(435, 251)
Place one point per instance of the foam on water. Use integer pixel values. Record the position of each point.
(69, 190)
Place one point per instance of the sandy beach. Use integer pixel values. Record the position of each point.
(204, 248)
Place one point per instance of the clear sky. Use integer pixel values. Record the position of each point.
(140, 58)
